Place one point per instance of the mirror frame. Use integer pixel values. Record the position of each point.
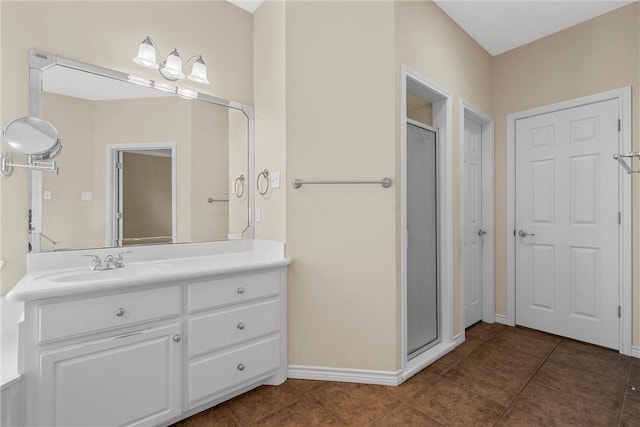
(40, 61)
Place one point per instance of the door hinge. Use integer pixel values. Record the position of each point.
(619, 125)
(514, 233)
(119, 165)
(619, 311)
(119, 215)
(619, 218)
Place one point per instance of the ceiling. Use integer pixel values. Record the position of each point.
(502, 25)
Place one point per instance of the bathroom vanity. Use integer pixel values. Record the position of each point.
(180, 328)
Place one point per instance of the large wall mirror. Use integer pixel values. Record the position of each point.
(144, 162)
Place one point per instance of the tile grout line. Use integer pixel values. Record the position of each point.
(296, 400)
(527, 383)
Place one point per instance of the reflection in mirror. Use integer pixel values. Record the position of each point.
(142, 166)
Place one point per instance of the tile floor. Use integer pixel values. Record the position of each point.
(499, 376)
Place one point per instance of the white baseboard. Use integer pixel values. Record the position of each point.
(345, 375)
(501, 319)
(635, 352)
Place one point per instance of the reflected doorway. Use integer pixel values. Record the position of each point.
(143, 197)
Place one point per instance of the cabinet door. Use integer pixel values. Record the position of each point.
(134, 379)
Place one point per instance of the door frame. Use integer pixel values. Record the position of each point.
(441, 99)
(467, 110)
(112, 182)
(623, 96)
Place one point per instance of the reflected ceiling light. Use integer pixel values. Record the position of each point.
(165, 87)
(139, 80)
(171, 68)
(187, 93)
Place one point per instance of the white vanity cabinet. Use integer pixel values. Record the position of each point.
(235, 333)
(132, 379)
(154, 353)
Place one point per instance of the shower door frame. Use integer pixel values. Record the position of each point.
(441, 99)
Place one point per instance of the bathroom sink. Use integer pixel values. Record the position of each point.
(128, 272)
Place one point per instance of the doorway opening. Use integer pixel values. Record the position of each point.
(427, 323)
(142, 194)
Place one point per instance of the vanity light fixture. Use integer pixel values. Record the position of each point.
(171, 68)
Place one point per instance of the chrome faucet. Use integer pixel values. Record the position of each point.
(110, 262)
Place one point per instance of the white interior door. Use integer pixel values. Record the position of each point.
(472, 222)
(567, 223)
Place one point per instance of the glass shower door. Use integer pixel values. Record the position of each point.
(422, 239)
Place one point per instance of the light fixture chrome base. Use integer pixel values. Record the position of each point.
(6, 165)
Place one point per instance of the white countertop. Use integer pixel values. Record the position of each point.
(76, 278)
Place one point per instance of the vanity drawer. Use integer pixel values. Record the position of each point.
(78, 317)
(216, 293)
(222, 329)
(223, 371)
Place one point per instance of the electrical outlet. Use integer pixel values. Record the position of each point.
(258, 214)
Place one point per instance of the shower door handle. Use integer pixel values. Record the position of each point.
(481, 233)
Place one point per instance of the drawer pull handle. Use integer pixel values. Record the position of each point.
(241, 326)
(177, 338)
(241, 290)
(120, 312)
(240, 367)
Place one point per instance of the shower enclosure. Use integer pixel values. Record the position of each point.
(422, 239)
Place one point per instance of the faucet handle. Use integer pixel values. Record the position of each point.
(119, 259)
(96, 262)
(119, 256)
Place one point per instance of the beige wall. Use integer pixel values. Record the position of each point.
(599, 55)
(428, 41)
(238, 166)
(108, 34)
(269, 61)
(209, 171)
(74, 119)
(340, 104)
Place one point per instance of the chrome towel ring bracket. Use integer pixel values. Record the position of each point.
(264, 174)
(238, 186)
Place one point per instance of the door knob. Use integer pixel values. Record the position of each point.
(481, 232)
(523, 233)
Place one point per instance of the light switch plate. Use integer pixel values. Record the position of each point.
(258, 214)
(86, 195)
(46, 195)
(275, 179)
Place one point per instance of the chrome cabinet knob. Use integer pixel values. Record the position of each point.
(120, 312)
(241, 326)
(240, 367)
(481, 232)
(523, 233)
(241, 290)
(177, 338)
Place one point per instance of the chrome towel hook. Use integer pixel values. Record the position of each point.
(238, 186)
(264, 174)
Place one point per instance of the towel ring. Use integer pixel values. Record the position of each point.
(238, 186)
(265, 175)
